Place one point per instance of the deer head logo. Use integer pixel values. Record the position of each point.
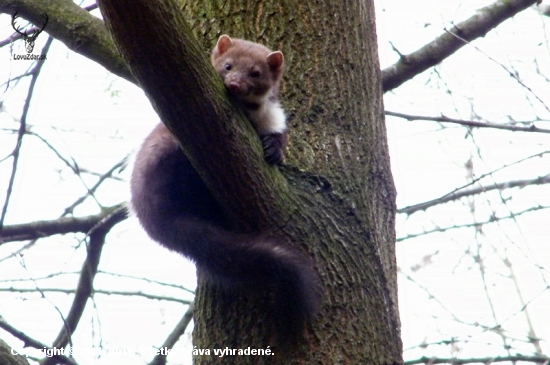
(29, 38)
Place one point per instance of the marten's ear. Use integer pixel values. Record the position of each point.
(224, 43)
(275, 60)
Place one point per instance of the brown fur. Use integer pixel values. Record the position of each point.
(252, 73)
(176, 209)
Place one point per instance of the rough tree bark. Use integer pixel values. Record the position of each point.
(335, 199)
(335, 196)
(7, 358)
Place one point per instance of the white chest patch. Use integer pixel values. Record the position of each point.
(268, 118)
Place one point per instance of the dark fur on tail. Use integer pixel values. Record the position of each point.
(176, 210)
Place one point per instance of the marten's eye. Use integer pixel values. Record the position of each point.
(228, 66)
(255, 74)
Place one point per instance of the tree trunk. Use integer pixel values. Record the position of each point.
(334, 199)
(8, 358)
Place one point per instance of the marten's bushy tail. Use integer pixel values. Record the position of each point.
(177, 210)
(255, 263)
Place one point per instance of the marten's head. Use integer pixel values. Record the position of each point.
(250, 71)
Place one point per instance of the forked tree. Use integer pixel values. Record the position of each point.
(332, 200)
(334, 197)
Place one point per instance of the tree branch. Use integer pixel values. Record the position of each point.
(29, 341)
(35, 72)
(455, 195)
(39, 229)
(87, 35)
(476, 224)
(469, 123)
(139, 293)
(76, 28)
(221, 144)
(85, 284)
(540, 359)
(174, 336)
(446, 44)
(7, 358)
(191, 100)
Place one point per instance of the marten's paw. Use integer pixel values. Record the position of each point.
(273, 145)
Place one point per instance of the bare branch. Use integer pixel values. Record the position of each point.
(480, 360)
(181, 287)
(174, 336)
(76, 28)
(22, 129)
(39, 229)
(85, 284)
(469, 123)
(455, 195)
(491, 219)
(29, 341)
(91, 191)
(140, 294)
(510, 73)
(431, 54)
